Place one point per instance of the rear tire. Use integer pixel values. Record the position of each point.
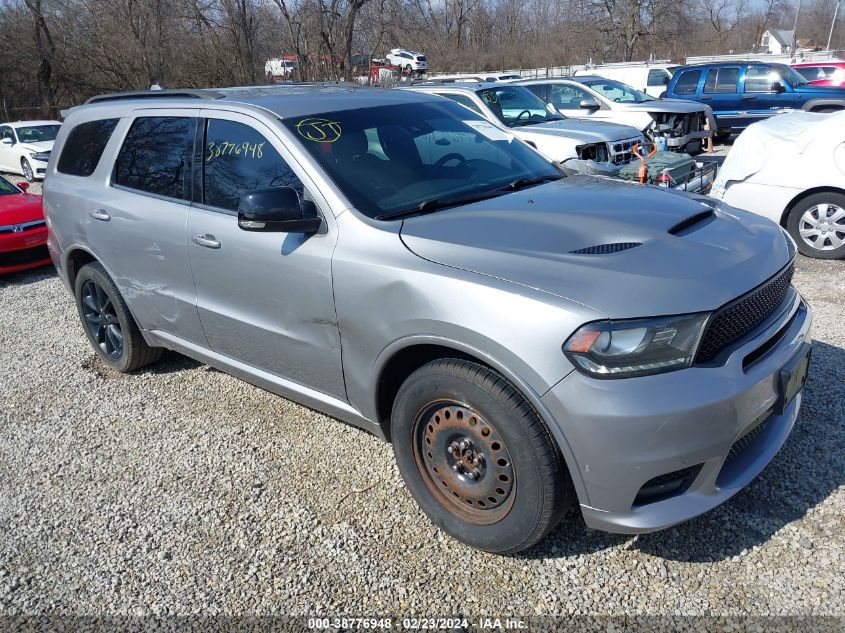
(477, 458)
(817, 224)
(108, 324)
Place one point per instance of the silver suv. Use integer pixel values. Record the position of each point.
(387, 257)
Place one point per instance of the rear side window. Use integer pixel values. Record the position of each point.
(687, 82)
(84, 147)
(156, 156)
(238, 159)
(721, 80)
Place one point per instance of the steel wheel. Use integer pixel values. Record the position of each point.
(464, 461)
(822, 227)
(101, 319)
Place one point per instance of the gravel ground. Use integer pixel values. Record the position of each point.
(181, 490)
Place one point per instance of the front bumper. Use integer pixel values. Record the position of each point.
(21, 251)
(622, 434)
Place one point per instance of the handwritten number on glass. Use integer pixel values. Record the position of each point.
(215, 149)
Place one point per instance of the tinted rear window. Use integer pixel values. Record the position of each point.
(156, 156)
(687, 82)
(84, 147)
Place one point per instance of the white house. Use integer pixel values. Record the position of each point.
(776, 41)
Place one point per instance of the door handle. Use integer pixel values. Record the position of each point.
(206, 240)
(706, 98)
(750, 98)
(99, 214)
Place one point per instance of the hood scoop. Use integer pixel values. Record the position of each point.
(693, 223)
(606, 249)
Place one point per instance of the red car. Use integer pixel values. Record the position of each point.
(23, 231)
(830, 73)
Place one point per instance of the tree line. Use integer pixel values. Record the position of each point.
(56, 53)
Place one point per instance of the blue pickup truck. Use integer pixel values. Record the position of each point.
(741, 93)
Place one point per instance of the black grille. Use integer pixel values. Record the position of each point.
(739, 317)
(605, 249)
(744, 442)
(25, 256)
(667, 485)
(24, 226)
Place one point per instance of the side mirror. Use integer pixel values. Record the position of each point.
(778, 87)
(276, 210)
(589, 104)
(23, 186)
(7, 141)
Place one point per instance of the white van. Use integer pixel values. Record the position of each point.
(649, 77)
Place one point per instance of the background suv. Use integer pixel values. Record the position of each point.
(741, 93)
(395, 260)
(409, 61)
(25, 147)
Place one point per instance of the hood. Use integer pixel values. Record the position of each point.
(668, 106)
(41, 146)
(16, 208)
(528, 237)
(583, 131)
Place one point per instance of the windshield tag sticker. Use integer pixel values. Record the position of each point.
(319, 130)
(489, 130)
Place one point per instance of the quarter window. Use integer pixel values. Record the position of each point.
(238, 159)
(84, 147)
(687, 82)
(156, 156)
(721, 80)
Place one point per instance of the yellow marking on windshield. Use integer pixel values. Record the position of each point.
(319, 130)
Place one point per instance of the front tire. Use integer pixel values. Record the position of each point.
(108, 324)
(27, 170)
(477, 458)
(817, 224)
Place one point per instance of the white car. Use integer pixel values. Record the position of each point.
(277, 68)
(791, 169)
(680, 123)
(650, 78)
(514, 110)
(409, 61)
(25, 147)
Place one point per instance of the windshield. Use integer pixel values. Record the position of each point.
(791, 76)
(617, 91)
(516, 106)
(37, 133)
(417, 156)
(6, 187)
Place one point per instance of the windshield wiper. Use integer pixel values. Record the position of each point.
(522, 183)
(428, 206)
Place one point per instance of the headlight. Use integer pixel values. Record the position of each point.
(637, 347)
(42, 156)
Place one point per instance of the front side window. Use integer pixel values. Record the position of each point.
(617, 91)
(516, 106)
(721, 80)
(156, 156)
(760, 79)
(409, 157)
(658, 77)
(567, 97)
(84, 146)
(462, 99)
(238, 159)
(7, 188)
(687, 82)
(38, 133)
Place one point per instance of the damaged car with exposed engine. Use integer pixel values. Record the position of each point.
(671, 124)
(554, 135)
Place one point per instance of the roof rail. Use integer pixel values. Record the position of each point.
(189, 93)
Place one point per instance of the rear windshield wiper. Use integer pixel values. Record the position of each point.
(428, 206)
